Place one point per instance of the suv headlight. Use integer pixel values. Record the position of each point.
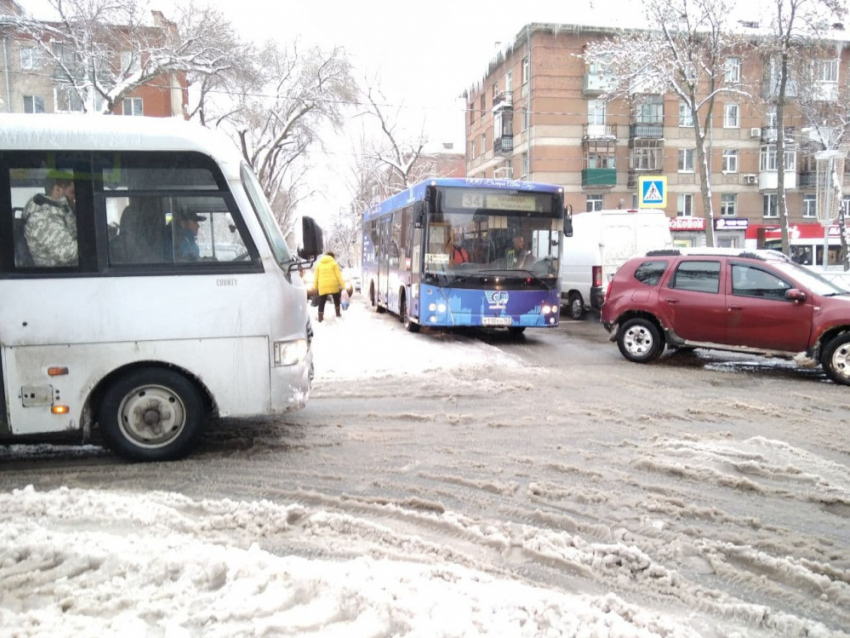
(289, 353)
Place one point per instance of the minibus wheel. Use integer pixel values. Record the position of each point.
(151, 414)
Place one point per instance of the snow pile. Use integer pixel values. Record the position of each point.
(365, 344)
(89, 563)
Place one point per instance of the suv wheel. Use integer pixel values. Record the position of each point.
(639, 341)
(836, 359)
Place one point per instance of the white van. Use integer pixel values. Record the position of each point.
(144, 285)
(602, 241)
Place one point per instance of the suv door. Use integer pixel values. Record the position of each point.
(759, 315)
(694, 301)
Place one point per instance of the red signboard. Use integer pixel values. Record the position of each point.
(795, 231)
(687, 223)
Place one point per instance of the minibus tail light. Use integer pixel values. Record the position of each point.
(597, 276)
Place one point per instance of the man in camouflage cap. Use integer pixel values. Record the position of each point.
(50, 225)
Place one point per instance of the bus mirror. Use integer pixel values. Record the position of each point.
(568, 221)
(312, 237)
(419, 214)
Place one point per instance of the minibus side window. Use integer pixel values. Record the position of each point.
(44, 217)
(165, 208)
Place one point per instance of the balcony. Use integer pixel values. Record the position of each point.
(597, 84)
(646, 130)
(598, 177)
(770, 133)
(808, 179)
(769, 180)
(636, 174)
(599, 132)
(504, 144)
(503, 100)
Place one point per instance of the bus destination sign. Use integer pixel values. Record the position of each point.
(498, 201)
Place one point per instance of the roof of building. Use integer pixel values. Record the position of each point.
(53, 132)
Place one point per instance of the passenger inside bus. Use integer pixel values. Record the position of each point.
(50, 223)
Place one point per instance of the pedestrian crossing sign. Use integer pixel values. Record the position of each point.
(653, 192)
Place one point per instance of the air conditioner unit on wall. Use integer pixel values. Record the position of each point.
(755, 132)
(750, 179)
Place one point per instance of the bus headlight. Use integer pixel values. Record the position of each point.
(441, 307)
(288, 353)
(432, 307)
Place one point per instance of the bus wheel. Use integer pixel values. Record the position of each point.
(373, 299)
(409, 325)
(151, 414)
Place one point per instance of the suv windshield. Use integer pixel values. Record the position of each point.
(811, 280)
(480, 232)
(265, 215)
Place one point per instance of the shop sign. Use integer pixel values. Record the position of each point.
(687, 223)
(723, 223)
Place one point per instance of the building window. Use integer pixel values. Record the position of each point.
(526, 118)
(509, 80)
(600, 155)
(730, 161)
(728, 205)
(495, 91)
(132, 106)
(826, 70)
(651, 111)
(768, 162)
(770, 209)
(483, 102)
(686, 160)
(526, 165)
(30, 58)
(733, 70)
(686, 116)
(130, 62)
(483, 143)
(845, 207)
(731, 116)
(596, 112)
(526, 70)
(33, 104)
(685, 205)
(646, 155)
(68, 101)
(471, 109)
(594, 202)
(770, 117)
(809, 203)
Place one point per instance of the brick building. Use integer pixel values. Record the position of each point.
(536, 116)
(28, 80)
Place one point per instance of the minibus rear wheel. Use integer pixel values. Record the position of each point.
(152, 414)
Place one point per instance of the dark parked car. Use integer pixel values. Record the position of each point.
(757, 301)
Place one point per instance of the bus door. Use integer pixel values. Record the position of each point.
(4, 417)
(384, 258)
(415, 271)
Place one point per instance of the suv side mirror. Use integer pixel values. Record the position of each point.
(797, 296)
(314, 244)
(568, 221)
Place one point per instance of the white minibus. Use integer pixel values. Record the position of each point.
(145, 286)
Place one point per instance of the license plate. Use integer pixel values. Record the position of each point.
(496, 321)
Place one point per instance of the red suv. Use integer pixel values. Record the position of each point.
(757, 301)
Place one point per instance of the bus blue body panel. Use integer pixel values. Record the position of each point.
(502, 308)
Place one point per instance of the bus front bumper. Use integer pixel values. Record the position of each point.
(290, 385)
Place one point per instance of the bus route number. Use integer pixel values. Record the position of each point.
(473, 200)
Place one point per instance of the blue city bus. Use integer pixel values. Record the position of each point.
(467, 252)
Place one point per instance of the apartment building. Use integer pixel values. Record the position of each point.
(536, 116)
(29, 82)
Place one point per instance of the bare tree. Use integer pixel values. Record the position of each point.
(101, 50)
(824, 105)
(274, 105)
(685, 55)
(794, 25)
(399, 154)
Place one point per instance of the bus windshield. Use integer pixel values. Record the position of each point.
(493, 232)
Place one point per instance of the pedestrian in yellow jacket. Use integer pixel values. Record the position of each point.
(328, 281)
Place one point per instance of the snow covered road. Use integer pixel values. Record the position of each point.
(444, 485)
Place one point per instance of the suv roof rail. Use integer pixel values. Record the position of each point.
(667, 252)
